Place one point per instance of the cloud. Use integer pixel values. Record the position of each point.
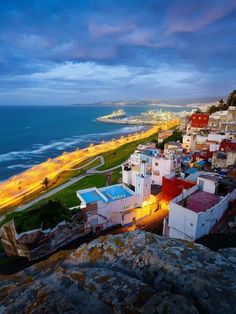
(102, 30)
(192, 18)
(108, 49)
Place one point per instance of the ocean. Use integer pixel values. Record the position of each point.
(31, 134)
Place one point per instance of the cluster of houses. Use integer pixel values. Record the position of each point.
(194, 179)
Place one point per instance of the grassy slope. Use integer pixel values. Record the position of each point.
(30, 218)
(67, 196)
(66, 175)
(121, 154)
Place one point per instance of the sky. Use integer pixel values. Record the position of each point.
(84, 51)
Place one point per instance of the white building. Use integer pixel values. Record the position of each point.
(189, 142)
(165, 165)
(215, 137)
(129, 174)
(132, 168)
(224, 159)
(113, 204)
(173, 148)
(208, 183)
(143, 184)
(195, 212)
(117, 204)
(146, 146)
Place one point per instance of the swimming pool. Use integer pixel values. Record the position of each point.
(91, 197)
(115, 192)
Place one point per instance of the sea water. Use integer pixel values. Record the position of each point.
(31, 134)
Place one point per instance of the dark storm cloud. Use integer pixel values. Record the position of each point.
(108, 49)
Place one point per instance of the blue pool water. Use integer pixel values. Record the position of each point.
(91, 197)
(112, 193)
(115, 192)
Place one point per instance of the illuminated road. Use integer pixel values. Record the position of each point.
(19, 188)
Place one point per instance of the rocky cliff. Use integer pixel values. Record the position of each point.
(37, 243)
(135, 272)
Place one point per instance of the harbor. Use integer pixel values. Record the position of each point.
(151, 117)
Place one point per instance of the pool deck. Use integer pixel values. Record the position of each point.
(106, 194)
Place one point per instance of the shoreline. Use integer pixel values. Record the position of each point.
(30, 180)
(18, 188)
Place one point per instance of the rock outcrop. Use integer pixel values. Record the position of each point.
(136, 272)
(37, 243)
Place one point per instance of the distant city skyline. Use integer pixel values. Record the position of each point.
(65, 52)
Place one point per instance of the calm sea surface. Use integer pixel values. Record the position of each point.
(31, 134)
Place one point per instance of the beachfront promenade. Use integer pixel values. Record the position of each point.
(18, 189)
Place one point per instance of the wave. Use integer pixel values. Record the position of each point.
(40, 150)
(22, 166)
(14, 155)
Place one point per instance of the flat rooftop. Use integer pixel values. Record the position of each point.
(209, 177)
(200, 201)
(115, 192)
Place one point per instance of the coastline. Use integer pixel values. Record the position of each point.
(117, 117)
(17, 189)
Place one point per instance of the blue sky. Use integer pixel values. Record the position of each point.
(62, 52)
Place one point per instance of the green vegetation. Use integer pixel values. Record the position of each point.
(68, 196)
(121, 154)
(198, 111)
(43, 216)
(49, 212)
(176, 136)
(231, 100)
(66, 175)
(221, 106)
(116, 175)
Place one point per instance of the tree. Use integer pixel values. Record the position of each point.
(45, 183)
(212, 109)
(231, 100)
(198, 111)
(222, 105)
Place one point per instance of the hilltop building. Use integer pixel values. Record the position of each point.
(157, 166)
(223, 159)
(199, 120)
(118, 204)
(189, 142)
(173, 148)
(196, 211)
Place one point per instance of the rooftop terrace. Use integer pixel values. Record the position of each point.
(115, 192)
(106, 194)
(200, 201)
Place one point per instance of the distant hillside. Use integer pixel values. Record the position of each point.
(160, 102)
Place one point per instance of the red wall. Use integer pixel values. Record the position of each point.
(199, 120)
(227, 145)
(205, 155)
(174, 187)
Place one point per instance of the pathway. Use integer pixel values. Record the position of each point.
(89, 172)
